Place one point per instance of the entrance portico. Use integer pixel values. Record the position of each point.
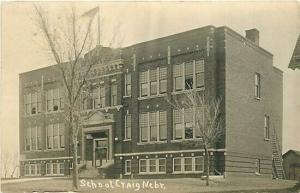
(97, 139)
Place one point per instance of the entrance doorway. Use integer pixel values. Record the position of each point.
(100, 151)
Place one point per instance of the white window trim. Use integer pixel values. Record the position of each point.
(59, 145)
(38, 93)
(35, 169)
(183, 78)
(125, 136)
(126, 165)
(51, 169)
(193, 165)
(183, 123)
(267, 127)
(156, 166)
(158, 94)
(59, 98)
(148, 130)
(258, 76)
(36, 139)
(125, 82)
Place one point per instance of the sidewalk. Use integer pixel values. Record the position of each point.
(19, 180)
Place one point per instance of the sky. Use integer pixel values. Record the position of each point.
(22, 48)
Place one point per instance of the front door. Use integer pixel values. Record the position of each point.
(100, 152)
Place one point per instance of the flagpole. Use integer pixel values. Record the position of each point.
(98, 26)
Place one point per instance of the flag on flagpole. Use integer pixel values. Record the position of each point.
(91, 13)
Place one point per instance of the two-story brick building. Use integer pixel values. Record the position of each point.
(131, 130)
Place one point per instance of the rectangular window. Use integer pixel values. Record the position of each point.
(178, 124)
(188, 123)
(177, 165)
(267, 127)
(32, 169)
(113, 94)
(188, 164)
(257, 166)
(39, 138)
(48, 168)
(55, 99)
(257, 85)
(96, 97)
(55, 136)
(144, 127)
(102, 96)
(162, 80)
(178, 77)
(61, 135)
(54, 169)
(50, 137)
(33, 103)
(128, 84)
(153, 126)
(39, 102)
(143, 166)
(144, 84)
(199, 114)
(152, 165)
(153, 81)
(199, 164)
(199, 68)
(61, 99)
(33, 138)
(27, 171)
(163, 125)
(28, 139)
(162, 165)
(28, 104)
(61, 168)
(189, 83)
(127, 166)
(128, 126)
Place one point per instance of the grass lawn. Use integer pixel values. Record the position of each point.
(191, 185)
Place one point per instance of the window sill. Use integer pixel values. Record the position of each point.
(266, 139)
(190, 172)
(33, 115)
(151, 143)
(54, 174)
(257, 98)
(32, 175)
(185, 91)
(125, 140)
(126, 97)
(33, 151)
(127, 174)
(185, 140)
(152, 96)
(51, 150)
(151, 173)
(53, 112)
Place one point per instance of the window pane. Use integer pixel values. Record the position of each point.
(128, 127)
(55, 169)
(177, 164)
(163, 86)
(128, 166)
(199, 66)
(178, 83)
(153, 87)
(48, 168)
(144, 89)
(144, 126)
(33, 138)
(199, 80)
(162, 165)
(189, 68)
(199, 162)
(153, 126)
(187, 164)
(55, 136)
(178, 131)
(152, 167)
(189, 81)
(61, 135)
(61, 168)
(163, 125)
(188, 132)
(153, 74)
(143, 167)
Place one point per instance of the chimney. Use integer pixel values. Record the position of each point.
(253, 35)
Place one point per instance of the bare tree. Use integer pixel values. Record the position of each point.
(208, 120)
(5, 161)
(70, 42)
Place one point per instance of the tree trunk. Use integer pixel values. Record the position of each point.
(75, 166)
(207, 164)
(13, 172)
